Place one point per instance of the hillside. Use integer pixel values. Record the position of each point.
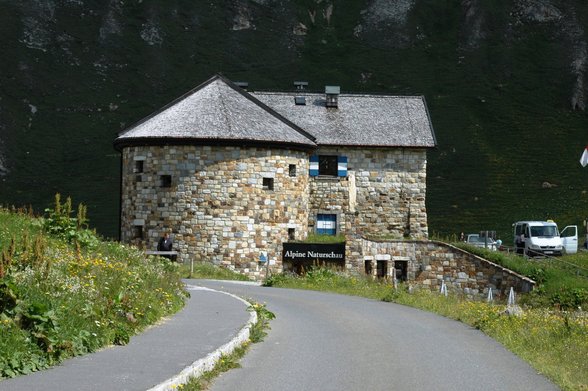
(504, 81)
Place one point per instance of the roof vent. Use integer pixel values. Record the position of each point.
(300, 100)
(243, 84)
(332, 95)
(301, 85)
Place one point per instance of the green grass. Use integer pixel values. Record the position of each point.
(322, 238)
(561, 281)
(59, 300)
(204, 270)
(554, 342)
(324, 279)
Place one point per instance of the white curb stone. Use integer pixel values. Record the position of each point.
(197, 368)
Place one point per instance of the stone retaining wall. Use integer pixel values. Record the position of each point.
(430, 263)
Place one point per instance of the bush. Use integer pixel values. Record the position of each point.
(569, 298)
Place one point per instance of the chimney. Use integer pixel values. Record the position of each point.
(243, 84)
(300, 100)
(300, 85)
(332, 95)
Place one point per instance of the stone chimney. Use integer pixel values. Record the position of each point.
(300, 85)
(332, 96)
(243, 84)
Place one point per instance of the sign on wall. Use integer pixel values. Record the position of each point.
(309, 253)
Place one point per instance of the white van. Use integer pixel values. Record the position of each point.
(533, 238)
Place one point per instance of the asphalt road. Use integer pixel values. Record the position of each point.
(322, 341)
(208, 321)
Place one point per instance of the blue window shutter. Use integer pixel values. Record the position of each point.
(341, 165)
(314, 165)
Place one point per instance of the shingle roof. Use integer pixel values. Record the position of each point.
(216, 111)
(359, 120)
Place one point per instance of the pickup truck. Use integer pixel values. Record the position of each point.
(480, 241)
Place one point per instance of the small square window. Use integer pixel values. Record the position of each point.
(139, 164)
(268, 183)
(138, 232)
(165, 181)
(138, 178)
(292, 170)
(291, 233)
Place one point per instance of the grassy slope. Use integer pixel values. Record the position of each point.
(56, 302)
(500, 111)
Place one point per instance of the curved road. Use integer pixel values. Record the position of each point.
(322, 341)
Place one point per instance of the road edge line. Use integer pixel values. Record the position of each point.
(198, 367)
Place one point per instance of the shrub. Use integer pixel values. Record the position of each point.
(569, 298)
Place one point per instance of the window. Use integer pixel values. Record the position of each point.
(326, 224)
(328, 165)
(165, 181)
(137, 232)
(139, 166)
(268, 183)
(291, 233)
(292, 169)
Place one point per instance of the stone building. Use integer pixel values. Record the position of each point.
(233, 174)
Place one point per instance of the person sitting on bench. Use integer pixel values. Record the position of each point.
(165, 244)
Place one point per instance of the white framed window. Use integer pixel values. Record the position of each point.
(326, 224)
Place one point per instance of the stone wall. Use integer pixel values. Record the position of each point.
(217, 202)
(430, 263)
(383, 193)
(218, 207)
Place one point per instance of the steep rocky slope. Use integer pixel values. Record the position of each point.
(505, 82)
